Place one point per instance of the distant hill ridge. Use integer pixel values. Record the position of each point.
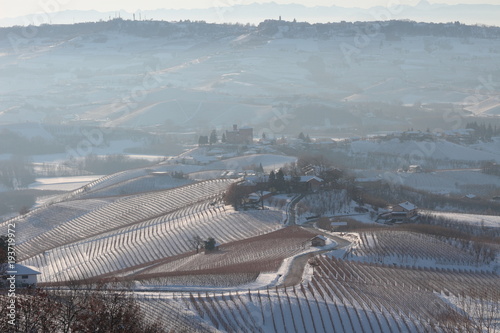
(270, 28)
(255, 13)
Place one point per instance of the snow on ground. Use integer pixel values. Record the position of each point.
(488, 221)
(226, 161)
(331, 204)
(440, 149)
(440, 182)
(204, 175)
(450, 181)
(263, 281)
(353, 239)
(492, 147)
(269, 162)
(480, 310)
(3, 188)
(62, 183)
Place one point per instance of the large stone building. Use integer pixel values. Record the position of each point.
(240, 136)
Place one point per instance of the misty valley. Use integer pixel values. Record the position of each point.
(278, 177)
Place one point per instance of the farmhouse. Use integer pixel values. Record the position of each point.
(257, 197)
(404, 211)
(24, 275)
(305, 183)
(311, 183)
(318, 240)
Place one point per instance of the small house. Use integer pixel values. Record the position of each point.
(24, 275)
(305, 183)
(403, 211)
(318, 240)
(312, 183)
(258, 197)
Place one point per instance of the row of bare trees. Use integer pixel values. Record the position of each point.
(100, 309)
(475, 310)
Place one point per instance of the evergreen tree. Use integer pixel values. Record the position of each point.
(213, 137)
(272, 179)
(203, 140)
(302, 136)
(223, 139)
(280, 180)
(210, 244)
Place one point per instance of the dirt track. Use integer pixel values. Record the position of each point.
(296, 271)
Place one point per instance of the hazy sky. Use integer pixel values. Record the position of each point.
(9, 8)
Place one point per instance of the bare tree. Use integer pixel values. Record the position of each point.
(197, 242)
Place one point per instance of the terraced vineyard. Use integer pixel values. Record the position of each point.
(172, 314)
(411, 248)
(125, 211)
(345, 296)
(86, 238)
(44, 219)
(235, 263)
(151, 240)
(139, 184)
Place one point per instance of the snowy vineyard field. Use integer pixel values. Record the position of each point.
(235, 263)
(388, 279)
(411, 248)
(485, 221)
(125, 211)
(137, 185)
(151, 240)
(44, 219)
(339, 296)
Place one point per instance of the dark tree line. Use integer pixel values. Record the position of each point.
(75, 310)
(16, 172)
(13, 143)
(491, 168)
(482, 131)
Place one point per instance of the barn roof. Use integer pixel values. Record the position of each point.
(407, 205)
(18, 269)
(306, 179)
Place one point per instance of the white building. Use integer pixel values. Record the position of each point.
(24, 275)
